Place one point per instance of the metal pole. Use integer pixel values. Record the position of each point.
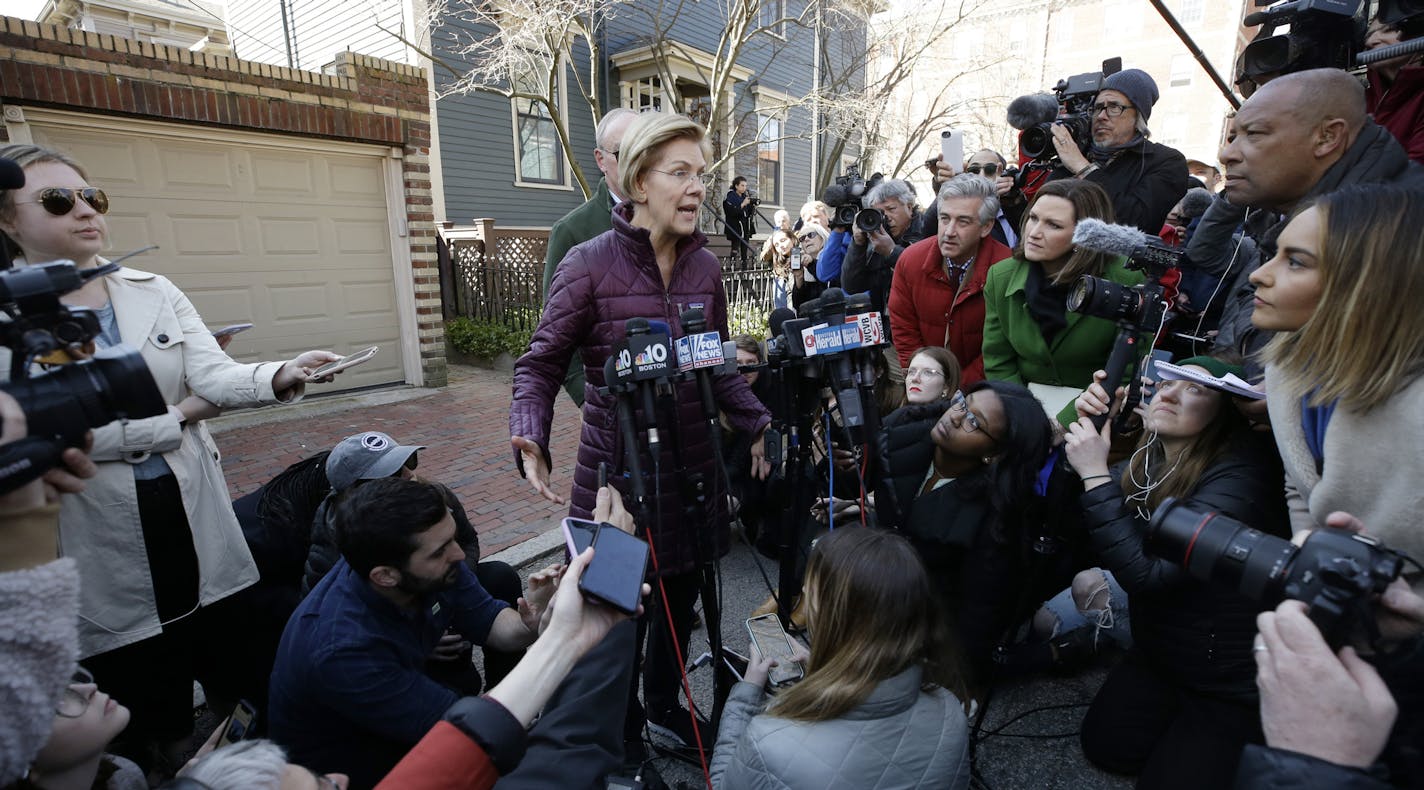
(1197, 53)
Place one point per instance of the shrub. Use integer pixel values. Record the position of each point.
(485, 340)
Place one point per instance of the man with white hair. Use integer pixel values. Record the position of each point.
(593, 218)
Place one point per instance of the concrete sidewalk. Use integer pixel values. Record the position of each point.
(464, 426)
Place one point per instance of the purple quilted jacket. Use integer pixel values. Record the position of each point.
(599, 285)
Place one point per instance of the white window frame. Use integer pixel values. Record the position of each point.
(563, 108)
(779, 6)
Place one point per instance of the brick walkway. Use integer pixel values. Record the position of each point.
(464, 426)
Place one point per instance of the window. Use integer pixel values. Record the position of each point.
(1190, 12)
(538, 154)
(769, 159)
(771, 12)
(1181, 70)
(644, 95)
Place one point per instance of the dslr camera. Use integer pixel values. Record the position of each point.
(1075, 111)
(845, 198)
(756, 201)
(1336, 573)
(62, 404)
(1142, 305)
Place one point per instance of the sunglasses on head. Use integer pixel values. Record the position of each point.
(988, 170)
(59, 201)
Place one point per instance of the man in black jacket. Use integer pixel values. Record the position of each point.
(1300, 136)
(870, 261)
(1144, 179)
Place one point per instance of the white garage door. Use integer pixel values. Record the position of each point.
(294, 240)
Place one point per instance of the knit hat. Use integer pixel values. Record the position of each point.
(1137, 86)
(1213, 366)
(365, 456)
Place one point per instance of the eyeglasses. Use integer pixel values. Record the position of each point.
(971, 421)
(74, 702)
(613, 154)
(927, 373)
(690, 177)
(988, 170)
(1113, 109)
(59, 201)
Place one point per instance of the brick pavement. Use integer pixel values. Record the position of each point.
(464, 425)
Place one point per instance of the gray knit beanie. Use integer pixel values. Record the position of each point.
(1139, 88)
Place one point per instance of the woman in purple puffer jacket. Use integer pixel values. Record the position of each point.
(652, 265)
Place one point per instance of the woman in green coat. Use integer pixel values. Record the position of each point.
(1030, 335)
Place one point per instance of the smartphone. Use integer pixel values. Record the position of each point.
(578, 535)
(771, 639)
(232, 330)
(1149, 372)
(615, 577)
(348, 361)
(796, 257)
(951, 147)
(239, 724)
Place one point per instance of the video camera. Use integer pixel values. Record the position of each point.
(63, 404)
(1323, 34)
(1336, 573)
(846, 197)
(1074, 110)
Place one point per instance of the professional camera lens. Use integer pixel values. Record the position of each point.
(1105, 299)
(869, 219)
(1214, 548)
(845, 215)
(1036, 142)
(68, 401)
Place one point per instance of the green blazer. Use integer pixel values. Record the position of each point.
(1014, 348)
(591, 220)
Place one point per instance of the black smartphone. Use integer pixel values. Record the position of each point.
(578, 535)
(615, 577)
(239, 724)
(1149, 372)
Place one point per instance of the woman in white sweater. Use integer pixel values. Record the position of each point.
(1345, 293)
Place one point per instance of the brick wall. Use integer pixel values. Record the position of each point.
(368, 100)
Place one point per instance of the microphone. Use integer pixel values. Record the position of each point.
(12, 176)
(642, 358)
(1196, 202)
(697, 351)
(1032, 109)
(623, 398)
(1100, 236)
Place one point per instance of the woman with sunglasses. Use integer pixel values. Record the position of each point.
(154, 533)
(958, 483)
(652, 265)
(1182, 703)
(86, 721)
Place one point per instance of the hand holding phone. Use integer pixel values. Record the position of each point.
(951, 146)
(239, 724)
(348, 361)
(771, 642)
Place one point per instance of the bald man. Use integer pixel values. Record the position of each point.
(1300, 136)
(593, 218)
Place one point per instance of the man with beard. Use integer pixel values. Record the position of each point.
(348, 691)
(1144, 179)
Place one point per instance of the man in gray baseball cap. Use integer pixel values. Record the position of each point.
(369, 456)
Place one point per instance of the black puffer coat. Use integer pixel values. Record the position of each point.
(600, 285)
(1144, 182)
(1197, 634)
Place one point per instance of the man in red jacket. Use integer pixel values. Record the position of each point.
(937, 294)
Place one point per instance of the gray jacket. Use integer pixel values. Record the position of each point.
(899, 737)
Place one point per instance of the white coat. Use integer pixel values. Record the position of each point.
(100, 528)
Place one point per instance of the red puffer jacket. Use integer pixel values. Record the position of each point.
(926, 311)
(599, 285)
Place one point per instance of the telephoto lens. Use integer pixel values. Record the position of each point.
(869, 219)
(68, 401)
(1336, 573)
(1104, 298)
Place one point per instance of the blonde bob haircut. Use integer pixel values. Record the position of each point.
(1371, 269)
(1090, 201)
(643, 142)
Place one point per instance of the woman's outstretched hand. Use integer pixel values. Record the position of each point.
(536, 471)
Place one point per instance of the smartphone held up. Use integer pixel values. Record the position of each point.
(620, 560)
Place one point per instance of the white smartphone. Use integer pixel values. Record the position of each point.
(771, 640)
(951, 147)
(232, 330)
(348, 361)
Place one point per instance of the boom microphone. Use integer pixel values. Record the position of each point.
(1196, 202)
(1099, 236)
(1033, 109)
